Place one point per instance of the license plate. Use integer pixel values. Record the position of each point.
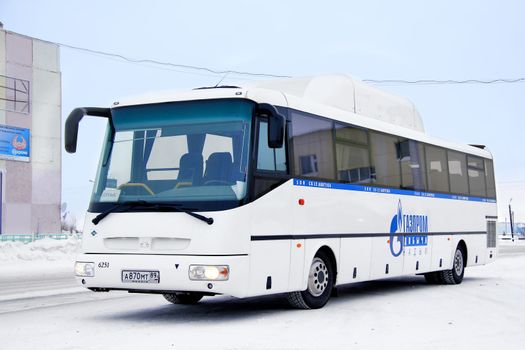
(131, 276)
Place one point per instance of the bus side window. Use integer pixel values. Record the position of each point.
(489, 173)
(313, 146)
(272, 168)
(437, 169)
(476, 176)
(457, 168)
(352, 155)
(384, 159)
(410, 154)
(271, 159)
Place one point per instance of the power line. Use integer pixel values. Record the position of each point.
(190, 67)
(449, 81)
(170, 64)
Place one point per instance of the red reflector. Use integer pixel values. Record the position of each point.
(301, 201)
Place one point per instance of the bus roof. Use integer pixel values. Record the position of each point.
(338, 97)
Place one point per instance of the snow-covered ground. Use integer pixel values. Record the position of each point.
(40, 268)
(43, 255)
(486, 311)
(46, 249)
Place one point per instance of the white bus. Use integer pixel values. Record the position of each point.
(290, 186)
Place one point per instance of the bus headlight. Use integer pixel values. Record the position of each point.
(209, 272)
(84, 269)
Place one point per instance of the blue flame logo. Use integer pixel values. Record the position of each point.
(395, 225)
(407, 231)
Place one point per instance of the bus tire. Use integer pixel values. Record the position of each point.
(432, 278)
(183, 298)
(320, 284)
(455, 275)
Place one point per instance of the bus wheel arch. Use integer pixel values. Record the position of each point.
(321, 277)
(457, 271)
(330, 253)
(463, 246)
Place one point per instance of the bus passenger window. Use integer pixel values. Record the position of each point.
(476, 175)
(457, 168)
(489, 173)
(411, 155)
(352, 155)
(313, 146)
(384, 159)
(437, 169)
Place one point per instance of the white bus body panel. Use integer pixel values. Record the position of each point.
(243, 239)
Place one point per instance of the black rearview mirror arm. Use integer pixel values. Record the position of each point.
(71, 127)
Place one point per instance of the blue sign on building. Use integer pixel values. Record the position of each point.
(14, 143)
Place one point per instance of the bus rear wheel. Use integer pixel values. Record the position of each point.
(320, 285)
(452, 276)
(184, 298)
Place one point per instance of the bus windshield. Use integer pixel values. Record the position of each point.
(191, 154)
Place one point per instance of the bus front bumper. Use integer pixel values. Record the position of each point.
(162, 273)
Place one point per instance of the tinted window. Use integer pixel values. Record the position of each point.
(352, 155)
(476, 176)
(313, 146)
(437, 169)
(457, 168)
(273, 159)
(384, 159)
(411, 155)
(489, 173)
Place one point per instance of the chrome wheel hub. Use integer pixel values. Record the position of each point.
(318, 277)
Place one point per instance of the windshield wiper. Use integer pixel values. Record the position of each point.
(126, 206)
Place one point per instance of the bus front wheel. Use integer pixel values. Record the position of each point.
(320, 284)
(183, 298)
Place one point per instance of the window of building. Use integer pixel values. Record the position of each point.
(437, 169)
(476, 175)
(457, 168)
(410, 154)
(384, 159)
(313, 146)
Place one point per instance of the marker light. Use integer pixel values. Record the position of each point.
(84, 269)
(209, 272)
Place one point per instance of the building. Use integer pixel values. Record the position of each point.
(30, 135)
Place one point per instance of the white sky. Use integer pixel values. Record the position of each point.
(367, 39)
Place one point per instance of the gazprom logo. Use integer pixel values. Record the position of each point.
(407, 230)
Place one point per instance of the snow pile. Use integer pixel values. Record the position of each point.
(46, 249)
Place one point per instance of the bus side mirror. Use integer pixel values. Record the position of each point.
(276, 124)
(71, 127)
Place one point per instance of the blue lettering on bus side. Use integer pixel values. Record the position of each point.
(415, 225)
